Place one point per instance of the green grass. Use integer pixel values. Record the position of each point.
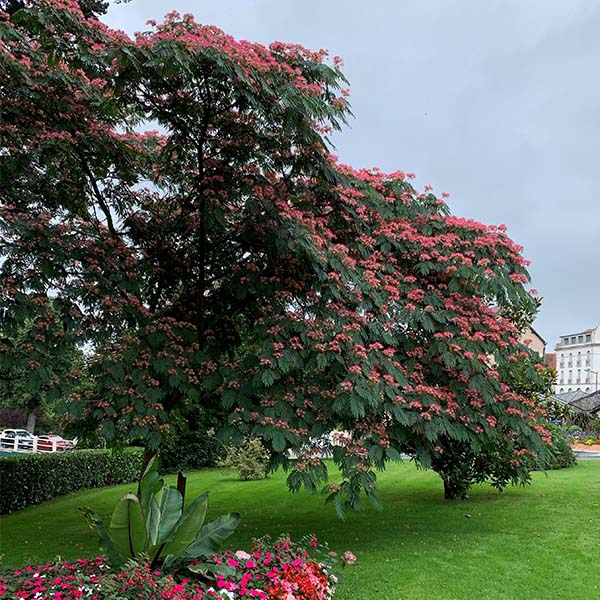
(532, 543)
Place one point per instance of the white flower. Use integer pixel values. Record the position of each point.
(241, 555)
(222, 594)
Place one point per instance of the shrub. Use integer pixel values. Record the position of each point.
(595, 426)
(12, 418)
(251, 459)
(190, 450)
(36, 478)
(559, 455)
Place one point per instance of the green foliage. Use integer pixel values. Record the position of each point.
(578, 418)
(559, 454)
(594, 425)
(89, 8)
(38, 364)
(154, 524)
(557, 410)
(251, 459)
(190, 450)
(35, 478)
(460, 466)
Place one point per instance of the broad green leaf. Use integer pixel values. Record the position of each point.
(187, 528)
(96, 522)
(127, 526)
(150, 484)
(212, 536)
(152, 523)
(171, 508)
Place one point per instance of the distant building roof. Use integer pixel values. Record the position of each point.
(590, 403)
(568, 397)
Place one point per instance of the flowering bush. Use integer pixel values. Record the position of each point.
(92, 579)
(280, 570)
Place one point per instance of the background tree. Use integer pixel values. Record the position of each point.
(89, 8)
(229, 262)
(36, 364)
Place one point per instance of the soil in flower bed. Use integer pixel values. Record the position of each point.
(590, 448)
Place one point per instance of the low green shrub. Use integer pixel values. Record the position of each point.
(251, 459)
(595, 426)
(34, 478)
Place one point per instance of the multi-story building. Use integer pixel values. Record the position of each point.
(578, 362)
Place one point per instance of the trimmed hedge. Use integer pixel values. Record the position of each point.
(33, 478)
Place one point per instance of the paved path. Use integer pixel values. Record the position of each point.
(588, 454)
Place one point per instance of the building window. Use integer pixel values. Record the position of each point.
(587, 359)
(587, 376)
(578, 375)
(588, 337)
(580, 339)
(562, 361)
(570, 377)
(566, 341)
(570, 359)
(574, 340)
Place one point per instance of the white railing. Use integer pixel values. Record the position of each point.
(27, 446)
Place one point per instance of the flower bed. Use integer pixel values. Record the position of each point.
(280, 570)
(583, 438)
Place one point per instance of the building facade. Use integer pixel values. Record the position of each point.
(534, 341)
(550, 360)
(578, 362)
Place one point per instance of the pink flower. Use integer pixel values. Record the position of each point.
(349, 558)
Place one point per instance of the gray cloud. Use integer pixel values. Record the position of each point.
(495, 102)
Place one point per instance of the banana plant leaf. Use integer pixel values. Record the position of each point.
(186, 529)
(162, 517)
(212, 536)
(150, 484)
(127, 526)
(96, 523)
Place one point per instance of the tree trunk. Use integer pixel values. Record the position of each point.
(452, 490)
(31, 421)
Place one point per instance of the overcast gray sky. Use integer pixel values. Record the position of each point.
(495, 102)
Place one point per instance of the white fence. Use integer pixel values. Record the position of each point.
(27, 446)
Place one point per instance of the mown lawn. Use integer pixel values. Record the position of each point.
(534, 543)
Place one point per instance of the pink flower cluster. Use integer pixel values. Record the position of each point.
(280, 570)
